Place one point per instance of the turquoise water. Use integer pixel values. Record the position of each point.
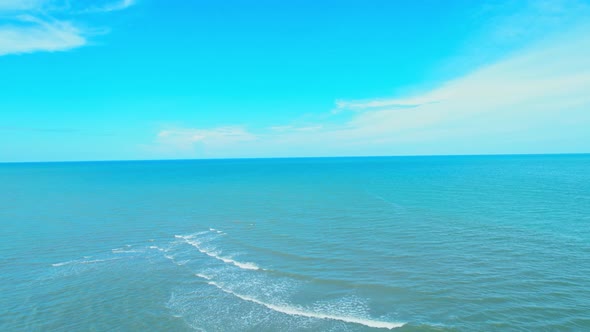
(486, 243)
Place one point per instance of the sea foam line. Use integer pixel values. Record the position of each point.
(158, 248)
(206, 277)
(293, 311)
(190, 236)
(83, 262)
(197, 244)
(216, 231)
(246, 266)
(123, 251)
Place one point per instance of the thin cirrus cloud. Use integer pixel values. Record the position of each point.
(32, 35)
(220, 137)
(536, 99)
(6, 5)
(32, 25)
(83, 7)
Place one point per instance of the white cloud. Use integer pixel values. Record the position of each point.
(119, 5)
(110, 6)
(535, 101)
(290, 128)
(12, 5)
(532, 96)
(32, 26)
(208, 141)
(39, 35)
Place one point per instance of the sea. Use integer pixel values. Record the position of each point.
(434, 243)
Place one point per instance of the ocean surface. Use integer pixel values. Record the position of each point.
(462, 243)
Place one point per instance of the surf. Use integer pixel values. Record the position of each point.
(211, 253)
(294, 311)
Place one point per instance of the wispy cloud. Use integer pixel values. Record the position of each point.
(540, 95)
(39, 130)
(33, 26)
(32, 34)
(186, 140)
(118, 5)
(83, 7)
(12, 5)
(362, 105)
(290, 128)
(532, 99)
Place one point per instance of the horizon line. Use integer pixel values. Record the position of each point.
(297, 157)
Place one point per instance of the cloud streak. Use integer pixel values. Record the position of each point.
(15, 5)
(32, 35)
(185, 141)
(537, 100)
(534, 99)
(38, 130)
(105, 7)
(32, 25)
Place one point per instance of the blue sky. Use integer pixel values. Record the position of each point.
(148, 79)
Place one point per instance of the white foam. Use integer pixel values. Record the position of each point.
(157, 248)
(293, 311)
(184, 237)
(63, 263)
(206, 277)
(246, 266)
(123, 251)
(216, 231)
(82, 262)
(227, 260)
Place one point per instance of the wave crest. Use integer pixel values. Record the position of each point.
(294, 311)
(197, 244)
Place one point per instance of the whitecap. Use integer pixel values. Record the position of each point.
(294, 311)
(213, 254)
(157, 248)
(63, 263)
(184, 237)
(206, 277)
(123, 251)
(82, 262)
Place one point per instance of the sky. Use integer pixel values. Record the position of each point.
(149, 79)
